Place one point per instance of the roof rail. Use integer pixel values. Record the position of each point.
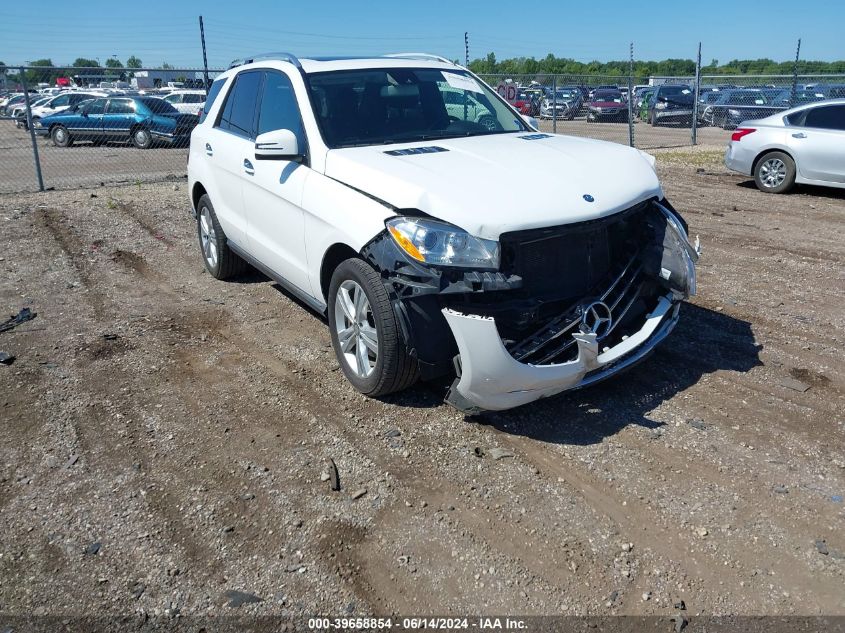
(421, 56)
(285, 57)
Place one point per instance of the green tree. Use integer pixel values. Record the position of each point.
(166, 66)
(81, 62)
(134, 62)
(34, 77)
(113, 62)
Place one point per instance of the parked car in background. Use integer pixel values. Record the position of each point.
(528, 103)
(607, 105)
(460, 102)
(60, 103)
(672, 103)
(143, 121)
(593, 90)
(645, 104)
(641, 95)
(19, 111)
(705, 100)
(565, 103)
(803, 145)
(734, 106)
(187, 101)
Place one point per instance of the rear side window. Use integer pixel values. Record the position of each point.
(98, 106)
(215, 89)
(121, 106)
(238, 114)
(279, 108)
(190, 98)
(60, 101)
(830, 117)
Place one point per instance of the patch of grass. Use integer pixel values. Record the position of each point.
(692, 158)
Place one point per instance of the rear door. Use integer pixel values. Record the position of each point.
(818, 144)
(230, 150)
(118, 119)
(273, 193)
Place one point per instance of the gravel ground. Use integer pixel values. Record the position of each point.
(166, 438)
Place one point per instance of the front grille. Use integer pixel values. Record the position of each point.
(553, 343)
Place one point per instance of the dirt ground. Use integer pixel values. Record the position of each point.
(166, 436)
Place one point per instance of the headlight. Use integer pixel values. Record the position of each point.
(441, 244)
(37, 123)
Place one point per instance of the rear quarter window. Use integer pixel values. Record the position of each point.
(215, 89)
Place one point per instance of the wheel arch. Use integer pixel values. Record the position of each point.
(197, 192)
(769, 150)
(334, 255)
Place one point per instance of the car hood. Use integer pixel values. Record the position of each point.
(489, 185)
(607, 104)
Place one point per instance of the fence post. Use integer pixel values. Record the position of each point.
(695, 96)
(631, 97)
(794, 92)
(31, 130)
(554, 104)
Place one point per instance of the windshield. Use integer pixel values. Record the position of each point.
(395, 105)
(675, 90)
(566, 94)
(615, 97)
(158, 106)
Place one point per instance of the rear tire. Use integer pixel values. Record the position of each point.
(141, 138)
(775, 173)
(220, 261)
(388, 370)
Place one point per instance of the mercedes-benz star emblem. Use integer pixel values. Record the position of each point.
(589, 198)
(597, 319)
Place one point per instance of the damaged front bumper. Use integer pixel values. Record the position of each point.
(491, 379)
(583, 345)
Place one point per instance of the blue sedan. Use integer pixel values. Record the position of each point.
(143, 121)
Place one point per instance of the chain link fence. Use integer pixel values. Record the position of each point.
(85, 127)
(659, 112)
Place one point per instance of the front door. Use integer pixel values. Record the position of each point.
(273, 193)
(818, 144)
(90, 123)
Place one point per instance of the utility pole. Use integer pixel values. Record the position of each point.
(696, 94)
(204, 59)
(466, 48)
(631, 96)
(795, 75)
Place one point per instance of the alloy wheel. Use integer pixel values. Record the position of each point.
(208, 237)
(773, 173)
(355, 327)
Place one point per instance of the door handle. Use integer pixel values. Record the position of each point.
(799, 135)
(248, 168)
(208, 149)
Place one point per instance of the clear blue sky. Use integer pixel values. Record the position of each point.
(158, 31)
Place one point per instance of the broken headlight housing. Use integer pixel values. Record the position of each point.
(441, 244)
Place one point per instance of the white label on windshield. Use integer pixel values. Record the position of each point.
(461, 82)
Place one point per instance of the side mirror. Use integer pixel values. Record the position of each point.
(533, 123)
(277, 145)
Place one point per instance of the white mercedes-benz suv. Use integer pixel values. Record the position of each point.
(522, 263)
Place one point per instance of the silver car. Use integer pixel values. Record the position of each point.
(804, 145)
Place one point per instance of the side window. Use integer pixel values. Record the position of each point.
(121, 106)
(279, 108)
(830, 117)
(63, 100)
(97, 106)
(238, 114)
(192, 98)
(173, 98)
(213, 91)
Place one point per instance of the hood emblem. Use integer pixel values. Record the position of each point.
(597, 319)
(589, 198)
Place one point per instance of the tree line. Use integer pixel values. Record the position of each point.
(551, 65)
(81, 65)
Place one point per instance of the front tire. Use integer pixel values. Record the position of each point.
(61, 137)
(220, 261)
(365, 332)
(775, 173)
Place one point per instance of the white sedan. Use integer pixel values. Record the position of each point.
(187, 101)
(804, 145)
